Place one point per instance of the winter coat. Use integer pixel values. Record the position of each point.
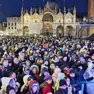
(25, 88)
(70, 89)
(46, 88)
(5, 71)
(76, 84)
(6, 81)
(41, 79)
(61, 91)
(89, 76)
(80, 75)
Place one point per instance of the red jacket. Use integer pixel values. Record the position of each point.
(37, 75)
(47, 88)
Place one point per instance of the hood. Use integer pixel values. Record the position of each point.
(25, 78)
(61, 76)
(7, 81)
(57, 70)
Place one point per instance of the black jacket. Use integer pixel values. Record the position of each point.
(61, 91)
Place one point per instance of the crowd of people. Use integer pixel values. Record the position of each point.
(45, 65)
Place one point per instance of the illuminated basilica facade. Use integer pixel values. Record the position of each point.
(47, 21)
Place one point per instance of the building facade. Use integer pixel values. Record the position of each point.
(91, 15)
(12, 25)
(44, 21)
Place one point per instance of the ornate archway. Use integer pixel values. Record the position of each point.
(48, 29)
(47, 17)
(69, 31)
(60, 30)
(25, 30)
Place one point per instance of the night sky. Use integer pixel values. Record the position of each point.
(13, 7)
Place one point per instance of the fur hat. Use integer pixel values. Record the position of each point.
(34, 66)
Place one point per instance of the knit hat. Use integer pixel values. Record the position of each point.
(44, 70)
(62, 83)
(34, 83)
(48, 77)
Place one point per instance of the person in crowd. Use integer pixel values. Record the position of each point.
(13, 76)
(7, 82)
(62, 88)
(34, 87)
(75, 83)
(30, 60)
(10, 90)
(35, 71)
(26, 79)
(89, 76)
(69, 86)
(47, 85)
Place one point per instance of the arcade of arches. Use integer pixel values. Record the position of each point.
(48, 27)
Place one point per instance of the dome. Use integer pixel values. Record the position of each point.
(53, 5)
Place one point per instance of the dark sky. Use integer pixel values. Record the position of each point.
(13, 7)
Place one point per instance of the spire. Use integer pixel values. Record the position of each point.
(74, 10)
(55, 10)
(31, 11)
(47, 5)
(22, 11)
(35, 10)
(74, 13)
(64, 10)
(40, 10)
(68, 10)
(26, 11)
(59, 10)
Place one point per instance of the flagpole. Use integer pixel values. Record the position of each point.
(23, 17)
(43, 17)
(63, 17)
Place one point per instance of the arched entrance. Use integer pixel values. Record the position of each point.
(25, 30)
(60, 30)
(47, 17)
(48, 29)
(47, 24)
(69, 31)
